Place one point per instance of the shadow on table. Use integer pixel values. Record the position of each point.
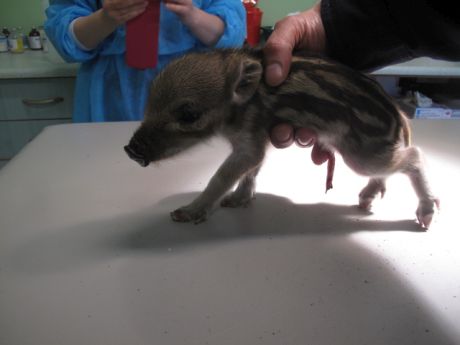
(152, 230)
(267, 216)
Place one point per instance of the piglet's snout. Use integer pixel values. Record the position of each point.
(139, 158)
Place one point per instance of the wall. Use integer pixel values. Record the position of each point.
(25, 13)
(28, 13)
(274, 10)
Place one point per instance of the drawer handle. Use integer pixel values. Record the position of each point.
(43, 101)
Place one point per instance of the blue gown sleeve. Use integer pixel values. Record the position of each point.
(233, 14)
(60, 14)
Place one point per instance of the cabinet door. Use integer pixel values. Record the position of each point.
(15, 134)
(34, 99)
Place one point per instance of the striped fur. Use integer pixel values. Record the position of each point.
(223, 92)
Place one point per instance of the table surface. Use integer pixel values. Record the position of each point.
(89, 255)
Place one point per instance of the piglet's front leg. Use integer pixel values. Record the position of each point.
(234, 167)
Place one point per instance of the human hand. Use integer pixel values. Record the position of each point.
(120, 11)
(206, 27)
(304, 31)
(182, 8)
(303, 137)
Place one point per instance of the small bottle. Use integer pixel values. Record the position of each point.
(15, 42)
(5, 32)
(23, 37)
(35, 42)
(3, 43)
(44, 39)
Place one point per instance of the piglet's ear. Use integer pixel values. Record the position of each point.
(246, 78)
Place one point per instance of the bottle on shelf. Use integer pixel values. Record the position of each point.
(22, 36)
(15, 42)
(3, 43)
(5, 32)
(44, 39)
(35, 42)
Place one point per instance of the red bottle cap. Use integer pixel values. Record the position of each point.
(142, 37)
(254, 22)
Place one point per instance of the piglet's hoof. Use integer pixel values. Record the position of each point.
(426, 211)
(185, 215)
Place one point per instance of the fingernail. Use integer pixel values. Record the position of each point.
(274, 73)
(282, 135)
(305, 137)
(303, 143)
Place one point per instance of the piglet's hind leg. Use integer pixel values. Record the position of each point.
(368, 194)
(413, 167)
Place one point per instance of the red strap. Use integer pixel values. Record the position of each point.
(142, 37)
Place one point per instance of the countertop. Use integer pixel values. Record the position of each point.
(35, 64)
(423, 67)
(38, 64)
(89, 255)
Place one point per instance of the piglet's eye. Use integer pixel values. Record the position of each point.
(186, 114)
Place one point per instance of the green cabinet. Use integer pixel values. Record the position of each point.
(27, 105)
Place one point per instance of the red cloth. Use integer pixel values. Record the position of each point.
(142, 37)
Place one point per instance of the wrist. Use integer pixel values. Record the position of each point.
(105, 21)
(190, 17)
(313, 24)
(91, 30)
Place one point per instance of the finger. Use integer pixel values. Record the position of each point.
(175, 7)
(277, 67)
(278, 55)
(282, 135)
(305, 137)
(127, 14)
(120, 4)
(133, 14)
(278, 50)
(178, 2)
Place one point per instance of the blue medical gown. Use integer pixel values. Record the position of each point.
(106, 88)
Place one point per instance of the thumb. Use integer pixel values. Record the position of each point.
(277, 63)
(278, 52)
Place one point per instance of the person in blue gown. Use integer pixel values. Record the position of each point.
(92, 33)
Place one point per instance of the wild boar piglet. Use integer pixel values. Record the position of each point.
(223, 92)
